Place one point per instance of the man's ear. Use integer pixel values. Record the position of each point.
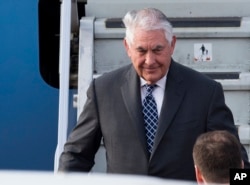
(126, 45)
(173, 44)
(242, 164)
(199, 177)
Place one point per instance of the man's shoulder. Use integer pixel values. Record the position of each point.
(189, 73)
(116, 74)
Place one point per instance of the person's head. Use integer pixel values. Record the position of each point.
(149, 42)
(214, 153)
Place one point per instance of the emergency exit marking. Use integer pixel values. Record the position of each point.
(203, 52)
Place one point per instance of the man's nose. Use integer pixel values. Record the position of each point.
(150, 58)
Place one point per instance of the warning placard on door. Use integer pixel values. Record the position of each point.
(202, 52)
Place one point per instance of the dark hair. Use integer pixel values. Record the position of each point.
(215, 153)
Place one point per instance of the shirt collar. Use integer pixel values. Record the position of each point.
(160, 83)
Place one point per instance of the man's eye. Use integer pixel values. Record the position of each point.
(141, 51)
(158, 49)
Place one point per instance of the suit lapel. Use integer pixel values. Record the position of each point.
(132, 99)
(173, 96)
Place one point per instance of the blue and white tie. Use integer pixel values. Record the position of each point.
(150, 115)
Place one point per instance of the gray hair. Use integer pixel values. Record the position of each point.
(147, 19)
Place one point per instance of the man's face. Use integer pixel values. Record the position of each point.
(150, 54)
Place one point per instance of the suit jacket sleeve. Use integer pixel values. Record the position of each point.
(84, 141)
(220, 118)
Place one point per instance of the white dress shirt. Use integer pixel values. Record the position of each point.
(158, 92)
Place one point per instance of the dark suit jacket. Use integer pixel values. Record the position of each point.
(193, 104)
